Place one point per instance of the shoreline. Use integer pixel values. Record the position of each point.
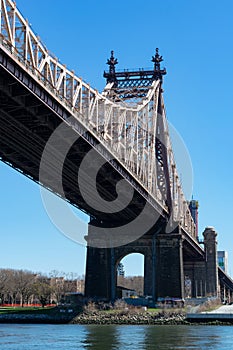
(131, 318)
(100, 318)
(116, 317)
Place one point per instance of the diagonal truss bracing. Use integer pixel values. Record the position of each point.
(137, 136)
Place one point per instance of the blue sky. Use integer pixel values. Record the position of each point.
(195, 39)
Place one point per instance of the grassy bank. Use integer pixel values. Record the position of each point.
(19, 310)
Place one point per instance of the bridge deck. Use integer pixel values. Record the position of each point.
(27, 122)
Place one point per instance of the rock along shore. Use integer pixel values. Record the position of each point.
(131, 318)
(99, 318)
(118, 317)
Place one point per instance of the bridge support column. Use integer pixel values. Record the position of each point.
(100, 273)
(150, 269)
(230, 296)
(101, 266)
(170, 272)
(210, 243)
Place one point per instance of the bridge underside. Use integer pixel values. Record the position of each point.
(28, 118)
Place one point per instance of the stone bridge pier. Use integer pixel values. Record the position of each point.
(201, 276)
(166, 272)
(101, 268)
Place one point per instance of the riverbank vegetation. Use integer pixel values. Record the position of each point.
(121, 313)
(22, 287)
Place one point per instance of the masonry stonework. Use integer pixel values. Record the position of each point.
(165, 269)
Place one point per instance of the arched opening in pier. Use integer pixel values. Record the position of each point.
(130, 276)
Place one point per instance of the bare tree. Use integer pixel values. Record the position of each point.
(62, 283)
(21, 285)
(11, 287)
(24, 281)
(4, 281)
(43, 289)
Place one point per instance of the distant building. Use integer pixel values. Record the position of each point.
(120, 270)
(80, 285)
(61, 286)
(193, 207)
(223, 260)
(123, 292)
(74, 299)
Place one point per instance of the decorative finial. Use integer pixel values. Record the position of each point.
(111, 75)
(158, 72)
(112, 61)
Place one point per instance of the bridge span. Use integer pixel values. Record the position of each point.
(54, 126)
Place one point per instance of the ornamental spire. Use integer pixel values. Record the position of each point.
(112, 61)
(158, 72)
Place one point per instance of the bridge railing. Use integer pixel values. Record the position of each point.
(129, 132)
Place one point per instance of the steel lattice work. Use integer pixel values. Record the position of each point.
(136, 134)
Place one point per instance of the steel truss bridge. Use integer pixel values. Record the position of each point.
(125, 125)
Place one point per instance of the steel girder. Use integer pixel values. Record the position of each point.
(137, 136)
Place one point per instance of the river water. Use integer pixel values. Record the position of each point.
(79, 337)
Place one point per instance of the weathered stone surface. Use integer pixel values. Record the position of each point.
(166, 265)
(130, 318)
